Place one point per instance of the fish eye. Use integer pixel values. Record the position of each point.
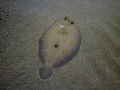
(72, 22)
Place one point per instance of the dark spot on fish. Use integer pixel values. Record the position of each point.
(4, 21)
(65, 18)
(7, 15)
(56, 45)
(72, 22)
(0, 18)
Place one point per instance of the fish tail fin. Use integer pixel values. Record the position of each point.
(45, 72)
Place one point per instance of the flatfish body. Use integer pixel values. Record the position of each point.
(58, 45)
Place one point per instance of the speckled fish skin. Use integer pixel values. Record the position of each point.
(58, 45)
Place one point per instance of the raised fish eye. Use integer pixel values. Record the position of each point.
(61, 25)
(72, 22)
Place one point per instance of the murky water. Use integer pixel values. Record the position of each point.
(95, 67)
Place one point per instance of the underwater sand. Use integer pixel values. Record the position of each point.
(95, 67)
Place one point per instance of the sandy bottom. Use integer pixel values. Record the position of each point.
(95, 67)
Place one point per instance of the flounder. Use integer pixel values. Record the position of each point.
(58, 45)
